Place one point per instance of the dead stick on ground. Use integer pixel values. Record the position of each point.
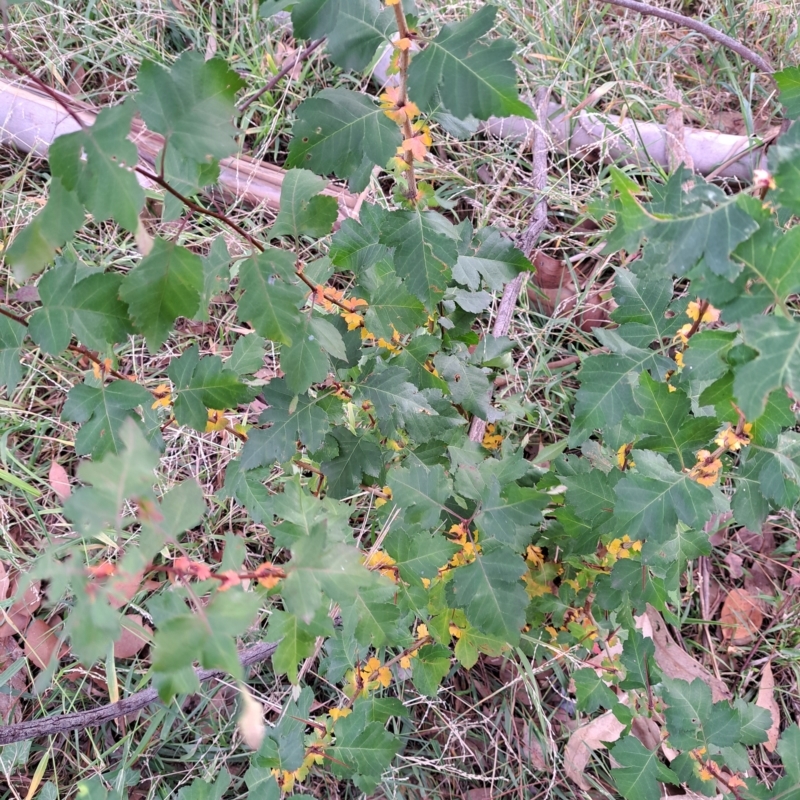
(529, 238)
(701, 27)
(287, 68)
(61, 723)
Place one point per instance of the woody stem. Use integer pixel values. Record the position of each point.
(408, 132)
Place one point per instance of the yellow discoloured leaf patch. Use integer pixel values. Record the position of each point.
(706, 471)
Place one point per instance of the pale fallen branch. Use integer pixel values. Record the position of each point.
(31, 121)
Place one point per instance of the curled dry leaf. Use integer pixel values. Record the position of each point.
(734, 563)
(251, 720)
(10, 710)
(16, 618)
(59, 481)
(586, 739)
(41, 641)
(766, 699)
(741, 617)
(135, 635)
(676, 662)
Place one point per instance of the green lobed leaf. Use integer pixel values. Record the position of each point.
(216, 275)
(591, 691)
(164, 285)
(491, 593)
(494, 260)
(425, 250)
(682, 228)
(101, 410)
(651, 500)
(418, 553)
(203, 384)
(313, 19)
(35, 246)
(666, 423)
(363, 750)
(468, 78)
(606, 393)
(788, 81)
(292, 418)
(86, 305)
(303, 360)
(342, 132)
(361, 27)
(777, 365)
(111, 479)
(191, 105)
(393, 398)
(392, 308)
(296, 640)
(355, 245)
(12, 335)
(469, 386)
(104, 179)
(640, 770)
(430, 667)
(248, 355)
(510, 515)
(303, 210)
(269, 303)
(357, 456)
(421, 492)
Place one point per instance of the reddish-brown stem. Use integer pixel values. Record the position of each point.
(74, 348)
(18, 65)
(408, 131)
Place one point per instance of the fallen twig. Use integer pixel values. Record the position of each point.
(285, 70)
(61, 723)
(701, 27)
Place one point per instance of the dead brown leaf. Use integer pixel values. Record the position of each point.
(757, 581)
(10, 710)
(677, 663)
(741, 617)
(59, 481)
(646, 730)
(584, 741)
(529, 746)
(135, 635)
(766, 699)
(16, 619)
(734, 563)
(41, 641)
